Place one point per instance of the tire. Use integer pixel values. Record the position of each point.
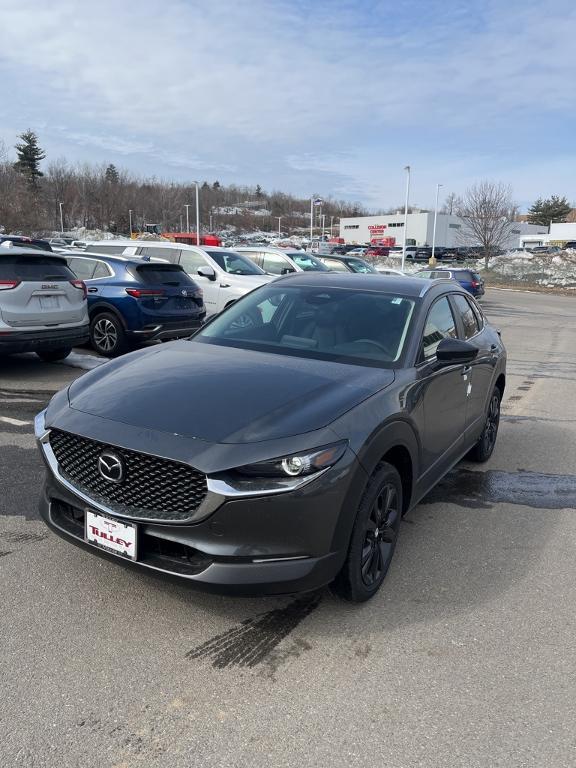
(107, 335)
(373, 538)
(53, 355)
(485, 446)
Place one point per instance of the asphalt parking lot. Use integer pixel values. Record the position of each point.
(466, 657)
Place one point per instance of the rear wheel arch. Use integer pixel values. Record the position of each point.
(104, 308)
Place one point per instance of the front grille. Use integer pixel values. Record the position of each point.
(152, 488)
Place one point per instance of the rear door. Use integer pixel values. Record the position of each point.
(38, 291)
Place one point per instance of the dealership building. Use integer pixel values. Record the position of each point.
(389, 230)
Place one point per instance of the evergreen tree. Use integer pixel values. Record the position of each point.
(29, 157)
(205, 185)
(258, 190)
(216, 185)
(112, 175)
(544, 212)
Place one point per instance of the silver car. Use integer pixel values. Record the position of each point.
(43, 306)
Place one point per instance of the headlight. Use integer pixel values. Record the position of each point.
(298, 464)
(286, 473)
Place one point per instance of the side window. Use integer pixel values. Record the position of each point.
(424, 274)
(83, 268)
(192, 261)
(275, 264)
(441, 274)
(102, 270)
(151, 251)
(478, 313)
(469, 321)
(334, 264)
(439, 325)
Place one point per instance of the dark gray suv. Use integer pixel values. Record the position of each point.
(279, 456)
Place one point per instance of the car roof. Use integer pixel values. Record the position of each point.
(23, 250)
(413, 287)
(118, 258)
(272, 248)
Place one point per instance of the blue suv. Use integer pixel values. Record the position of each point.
(468, 278)
(131, 301)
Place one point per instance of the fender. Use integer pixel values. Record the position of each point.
(387, 436)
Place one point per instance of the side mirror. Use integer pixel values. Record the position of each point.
(454, 351)
(208, 272)
(287, 270)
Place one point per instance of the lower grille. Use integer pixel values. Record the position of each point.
(152, 488)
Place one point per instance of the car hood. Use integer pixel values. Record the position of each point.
(247, 282)
(222, 394)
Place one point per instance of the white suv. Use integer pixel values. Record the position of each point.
(223, 274)
(43, 306)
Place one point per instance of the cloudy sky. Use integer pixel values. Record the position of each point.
(308, 96)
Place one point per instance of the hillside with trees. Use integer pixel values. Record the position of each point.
(101, 197)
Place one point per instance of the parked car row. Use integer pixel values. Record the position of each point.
(139, 291)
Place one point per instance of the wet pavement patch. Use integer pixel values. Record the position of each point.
(480, 490)
(251, 642)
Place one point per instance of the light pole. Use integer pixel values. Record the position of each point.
(323, 225)
(407, 169)
(211, 227)
(197, 213)
(279, 220)
(61, 219)
(187, 206)
(432, 259)
(130, 217)
(331, 226)
(180, 222)
(313, 201)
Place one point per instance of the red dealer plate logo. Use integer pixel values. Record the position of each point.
(111, 535)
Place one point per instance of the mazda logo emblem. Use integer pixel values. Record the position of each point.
(111, 467)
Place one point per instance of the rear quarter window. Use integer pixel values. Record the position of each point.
(34, 268)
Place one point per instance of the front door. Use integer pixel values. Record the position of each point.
(442, 395)
(192, 261)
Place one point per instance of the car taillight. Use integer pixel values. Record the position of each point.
(475, 283)
(139, 293)
(5, 285)
(81, 285)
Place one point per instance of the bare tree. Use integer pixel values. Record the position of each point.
(487, 213)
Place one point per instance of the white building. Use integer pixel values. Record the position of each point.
(449, 230)
(559, 234)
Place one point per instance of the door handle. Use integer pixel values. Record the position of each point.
(92, 290)
(466, 370)
(494, 348)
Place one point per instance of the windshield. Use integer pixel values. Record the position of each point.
(336, 324)
(307, 262)
(234, 263)
(357, 265)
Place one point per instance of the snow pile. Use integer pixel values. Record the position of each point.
(539, 269)
(82, 233)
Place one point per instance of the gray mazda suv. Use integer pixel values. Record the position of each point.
(277, 456)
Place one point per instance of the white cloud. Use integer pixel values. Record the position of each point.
(322, 90)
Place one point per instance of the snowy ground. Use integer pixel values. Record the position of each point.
(547, 271)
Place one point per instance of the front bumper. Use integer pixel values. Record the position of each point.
(14, 341)
(286, 543)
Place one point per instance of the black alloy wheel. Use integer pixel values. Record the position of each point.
(380, 535)
(374, 536)
(485, 445)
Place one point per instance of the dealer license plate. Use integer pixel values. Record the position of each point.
(49, 302)
(112, 535)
